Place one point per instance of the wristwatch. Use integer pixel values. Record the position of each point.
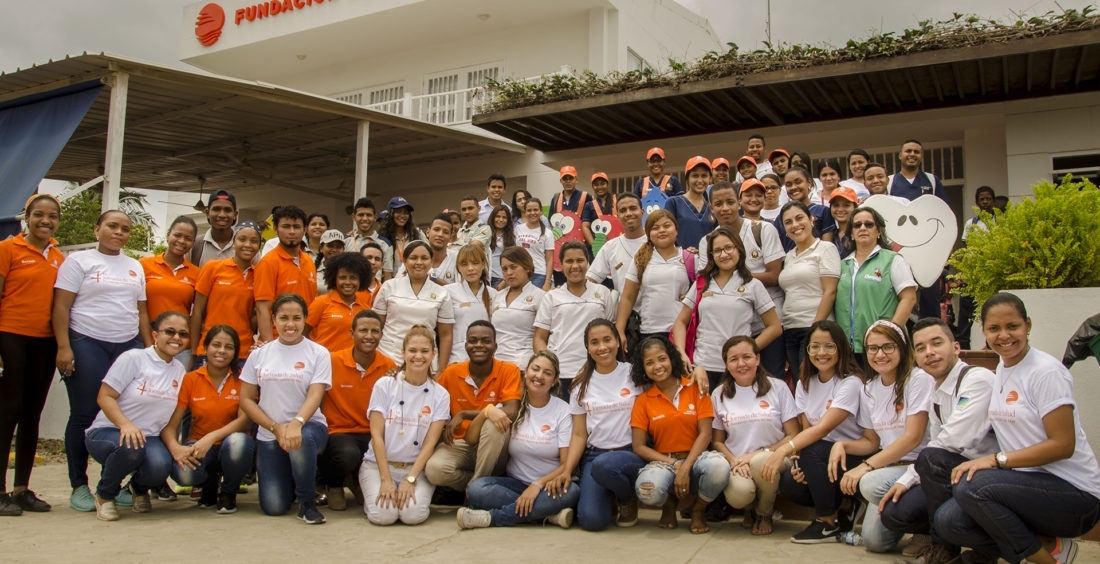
(299, 419)
(411, 479)
(1002, 460)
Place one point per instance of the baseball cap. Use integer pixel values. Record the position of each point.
(746, 158)
(773, 154)
(399, 202)
(602, 175)
(751, 183)
(567, 170)
(331, 235)
(696, 161)
(719, 161)
(846, 193)
(655, 151)
(221, 195)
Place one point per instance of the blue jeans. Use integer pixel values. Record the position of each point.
(1001, 511)
(794, 344)
(538, 280)
(914, 510)
(91, 358)
(498, 494)
(283, 475)
(149, 464)
(709, 476)
(873, 486)
(231, 460)
(607, 477)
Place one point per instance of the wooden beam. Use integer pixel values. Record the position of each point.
(727, 114)
(958, 80)
(981, 78)
(913, 86)
(825, 95)
(890, 88)
(870, 94)
(169, 116)
(1053, 70)
(1004, 75)
(1027, 73)
(737, 106)
(1080, 65)
(932, 72)
(783, 100)
(855, 105)
(760, 106)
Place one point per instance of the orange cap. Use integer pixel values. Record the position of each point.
(846, 193)
(746, 158)
(602, 175)
(772, 154)
(751, 183)
(567, 170)
(655, 151)
(696, 161)
(719, 161)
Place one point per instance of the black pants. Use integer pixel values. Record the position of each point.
(342, 456)
(24, 385)
(928, 301)
(963, 321)
(915, 509)
(818, 492)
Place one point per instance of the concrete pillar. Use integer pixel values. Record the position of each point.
(362, 143)
(116, 130)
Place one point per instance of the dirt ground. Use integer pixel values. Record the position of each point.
(180, 532)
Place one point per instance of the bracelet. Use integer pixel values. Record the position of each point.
(272, 427)
(793, 449)
(869, 465)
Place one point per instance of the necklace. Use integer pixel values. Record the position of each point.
(419, 410)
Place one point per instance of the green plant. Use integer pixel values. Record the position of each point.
(1051, 241)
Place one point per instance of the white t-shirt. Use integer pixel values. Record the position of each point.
(665, 281)
(107, 287)
(861, 189)
(613, 259)
(757, 258)
(147, 390)
(515, 324)
(409, 411)
(404, 308)
(723, 313)
(1025, 393)
(284, 374)
(801, 282)
(607, 405)
(536, 244)
(566, 316)
(752, 422)
(534, 450)
(446, 272)
(877, 411)
(770, 215)
(468, 308)
(841, 393)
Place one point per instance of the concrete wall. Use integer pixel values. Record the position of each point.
(1059, 127)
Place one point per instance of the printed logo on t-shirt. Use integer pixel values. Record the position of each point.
(963, 401)
(299, 365)
(764, 404)
(899, 407)
(530, 299)
(740, 289)
(755, 254)
(598, 295)
(625, 392)
(544, 429)
(426, 410)
(233, 392)
(132, 274)
(876, 276)
(175, 383)
(492, 394)
(1012, 397)
(828, 404)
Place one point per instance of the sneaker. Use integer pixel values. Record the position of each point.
(817, 532)
(82, 499)
(934, 553)
(227, 503)
(563, 518)
(8, 507)
(196, 493)
(141, 501)
(105, 509)
(27, 501)
(166, 493)
(628, 513)
(208, 499)
(308, 512)
(473, 518)
(916, 546)
(124, 497)
(1065, 550)
(336, 499)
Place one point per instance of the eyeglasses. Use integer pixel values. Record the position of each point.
(818, 347)
(771, 188)
(173, 333)
(863, 224)
(888, 348)
(729, 250)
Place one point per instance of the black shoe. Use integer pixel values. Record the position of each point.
(719, 511)
(227, 504)
(209, 498)
(165, 492)
(309, 513)
(8, 507)
(817, 532)
(27, 501)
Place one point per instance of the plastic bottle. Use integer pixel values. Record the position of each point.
(851, 538)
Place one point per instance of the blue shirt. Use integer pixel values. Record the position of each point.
(673, 188)
(607, 206)
(691, 224)
(572, 204)
(924, 183)
(823, 223)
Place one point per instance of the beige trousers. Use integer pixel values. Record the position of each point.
(457, 465)
(742, 491)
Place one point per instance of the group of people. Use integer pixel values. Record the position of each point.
(537, 382)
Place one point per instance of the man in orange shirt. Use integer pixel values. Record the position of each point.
(285, 270)
(481, 387)
(354, 373)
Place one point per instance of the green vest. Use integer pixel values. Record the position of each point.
(865, 296)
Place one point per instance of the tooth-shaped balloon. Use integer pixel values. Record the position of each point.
(653, 200)
(924, 228)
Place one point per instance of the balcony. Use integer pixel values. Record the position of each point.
(445, 108)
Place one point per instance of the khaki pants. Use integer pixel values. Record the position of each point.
(457, 465)
(741, 491)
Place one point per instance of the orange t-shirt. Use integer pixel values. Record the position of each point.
(29, 275)
(330, 321)
(167, 289)
(229, 301)
(346, 402)
(366, 297)
(210, 410)
(503, 384)
(673, 428)
(277, 274)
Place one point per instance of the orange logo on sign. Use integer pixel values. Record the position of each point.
(1012, 397)
(208, 26)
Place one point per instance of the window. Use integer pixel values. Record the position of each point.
(390, 98)
(455, 100)
(353, 98)
(635, 62)
(1080, 166)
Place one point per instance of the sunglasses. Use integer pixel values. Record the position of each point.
(173, 333)
(863, 224)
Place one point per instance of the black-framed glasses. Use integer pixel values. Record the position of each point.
(888, 348)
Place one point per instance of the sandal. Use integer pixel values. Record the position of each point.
(761, 522)
(749, 521)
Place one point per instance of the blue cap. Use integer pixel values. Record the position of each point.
(399, 202)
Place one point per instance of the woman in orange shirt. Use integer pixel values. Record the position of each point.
(672, 437)
(223, 294)
(28, 269)
(219, 448)
(330, 314)
(170, 278)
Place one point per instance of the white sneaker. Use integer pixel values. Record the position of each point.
(563, 518)
(1065, 550)
(473, 518)
(105, 509)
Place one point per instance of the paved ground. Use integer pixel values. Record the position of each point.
(178, 531)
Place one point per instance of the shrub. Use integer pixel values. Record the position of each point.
(1051, 241)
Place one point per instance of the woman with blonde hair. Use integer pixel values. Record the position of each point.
(471, 296)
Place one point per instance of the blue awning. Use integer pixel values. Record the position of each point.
(33, 130)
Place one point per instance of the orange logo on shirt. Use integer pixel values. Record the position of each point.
(624, 393)
(828, 404)
(175, 383)
(900, 407)
(764, 404)
(1012, 397)
(545, 429)
(232, 392)
(299, 365)
(133, 274)
(426, 410)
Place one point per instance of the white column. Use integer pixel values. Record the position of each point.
(362, 142)
(116, 129)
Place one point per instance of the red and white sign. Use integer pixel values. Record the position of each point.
(211, 20)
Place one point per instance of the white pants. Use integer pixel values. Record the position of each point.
(415, 511)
